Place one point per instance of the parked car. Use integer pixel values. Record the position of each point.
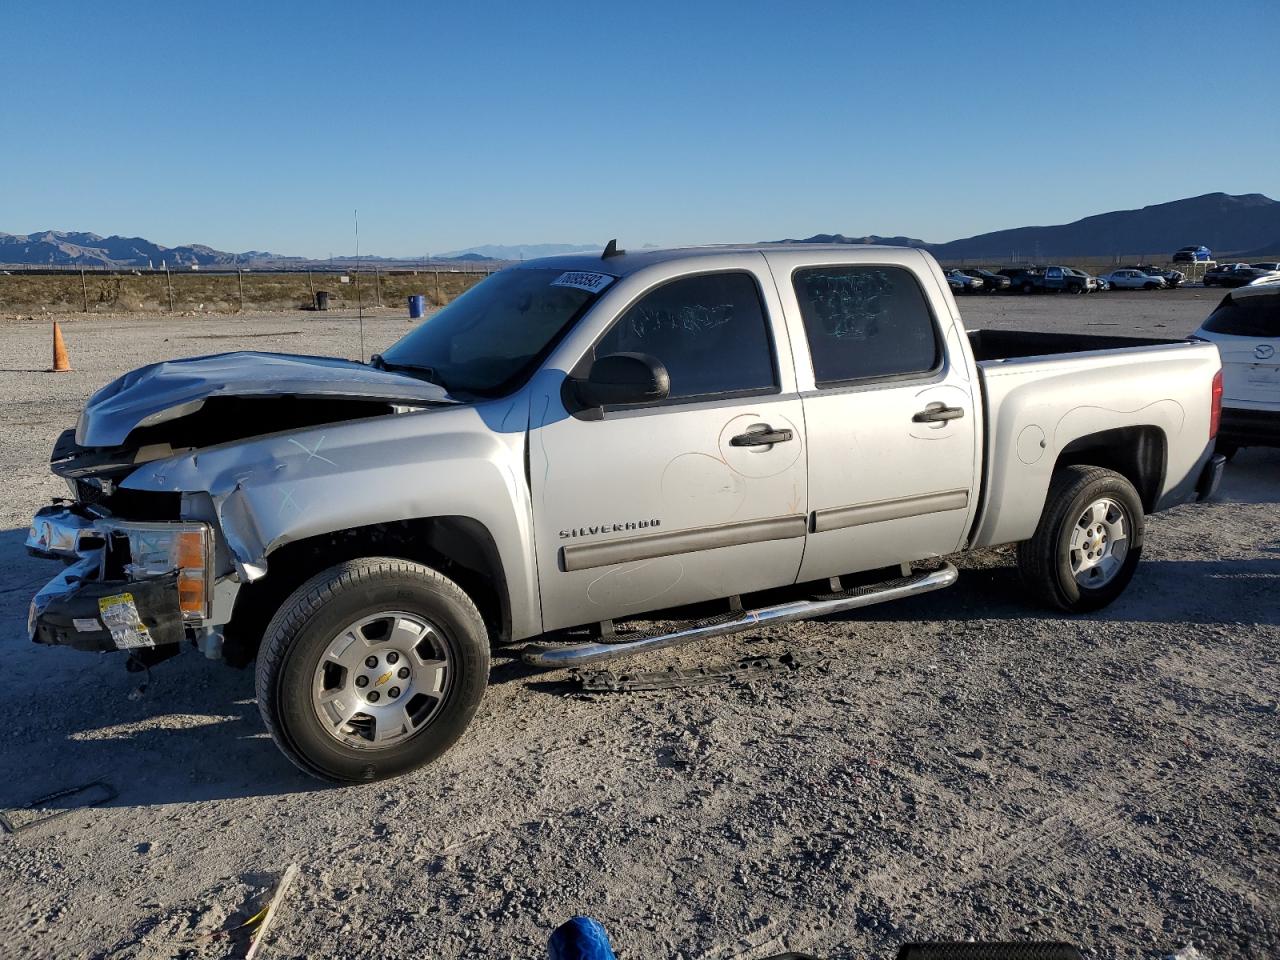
(1272, 266)
(529, 462)
(963, 283)
(1089, 280)
(1064, 280)
(1236, 275)
(1024, 279)
(1171, 277)
(1193, 254)
(1127, 278)
(991, 282)
(1245, 326)
(1102, 283)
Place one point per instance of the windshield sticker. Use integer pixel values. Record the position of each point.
(581, 280)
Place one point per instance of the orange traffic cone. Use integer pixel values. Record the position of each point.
(60, 362)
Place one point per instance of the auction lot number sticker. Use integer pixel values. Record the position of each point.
(583, 280)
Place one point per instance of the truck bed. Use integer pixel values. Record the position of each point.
(1012, 344)
(1136, 397)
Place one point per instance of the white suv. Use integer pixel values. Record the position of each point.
(1246, 328)
(1133, 280)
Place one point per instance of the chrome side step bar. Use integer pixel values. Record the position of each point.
(574, 654)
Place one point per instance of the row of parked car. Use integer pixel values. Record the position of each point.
(1241, 274)
(1060, 279)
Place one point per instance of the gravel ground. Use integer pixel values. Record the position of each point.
(962, 765)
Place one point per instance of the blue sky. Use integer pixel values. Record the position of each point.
(263, 125)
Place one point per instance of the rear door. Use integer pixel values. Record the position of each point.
(641, 508)
(890, 409)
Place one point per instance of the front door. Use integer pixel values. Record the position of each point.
(656, 506)
(890, 412)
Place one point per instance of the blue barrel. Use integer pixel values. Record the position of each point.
(417, 306)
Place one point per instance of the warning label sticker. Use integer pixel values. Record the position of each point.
(582, 280)
(120, 615)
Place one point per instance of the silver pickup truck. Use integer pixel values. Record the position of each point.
(583, 441)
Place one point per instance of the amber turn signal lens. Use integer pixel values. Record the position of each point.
(191, 592)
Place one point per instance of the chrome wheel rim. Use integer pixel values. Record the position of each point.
(382, 680)
(1099, 543)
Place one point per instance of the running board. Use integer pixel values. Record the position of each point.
(575, 654)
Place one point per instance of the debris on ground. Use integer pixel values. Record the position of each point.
(43, 809)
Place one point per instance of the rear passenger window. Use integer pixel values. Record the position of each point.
(1253, 316)
(865, 322)
(709, 331)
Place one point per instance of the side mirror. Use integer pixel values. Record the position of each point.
(623, 378)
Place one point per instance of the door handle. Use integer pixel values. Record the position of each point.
(938, 412)
(761, 438)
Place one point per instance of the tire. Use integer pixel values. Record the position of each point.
(1077, 289)
(446, 677)
(1150, 286)
(1045, 562)
(1027, 288)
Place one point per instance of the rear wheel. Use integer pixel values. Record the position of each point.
(1088, 543)
(1027, 288)
(371, 668)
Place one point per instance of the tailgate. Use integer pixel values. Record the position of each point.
(1250, 368)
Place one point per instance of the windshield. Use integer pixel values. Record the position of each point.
(1256, 316)
(490, 338)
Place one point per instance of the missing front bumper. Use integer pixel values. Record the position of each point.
(94, 615)
(87, 608)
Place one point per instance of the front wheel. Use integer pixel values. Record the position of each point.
(371, 668)
(1150, 286)
(1088, 543)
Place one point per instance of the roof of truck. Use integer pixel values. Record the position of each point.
(628, 262)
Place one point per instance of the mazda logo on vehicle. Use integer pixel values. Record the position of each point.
(1264, 351)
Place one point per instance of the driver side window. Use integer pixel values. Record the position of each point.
(709, 331)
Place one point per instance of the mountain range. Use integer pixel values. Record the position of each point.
(530, 251)
(58, 248)
(1244, 226)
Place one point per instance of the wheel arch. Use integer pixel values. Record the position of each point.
(461, 548)
(1137, 453)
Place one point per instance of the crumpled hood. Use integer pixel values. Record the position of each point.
(174, 388)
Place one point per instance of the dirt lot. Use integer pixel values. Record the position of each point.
(960, 766)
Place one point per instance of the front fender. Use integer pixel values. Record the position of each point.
(460, 461)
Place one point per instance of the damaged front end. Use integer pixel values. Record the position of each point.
(128, 585)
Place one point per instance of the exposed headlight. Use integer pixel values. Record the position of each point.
(157, 549)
